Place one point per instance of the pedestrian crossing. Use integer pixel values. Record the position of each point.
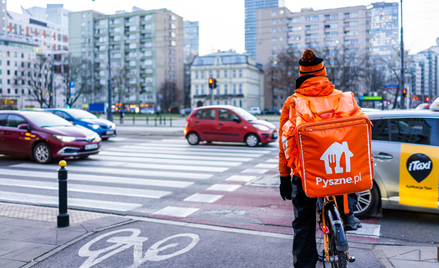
(130, 176)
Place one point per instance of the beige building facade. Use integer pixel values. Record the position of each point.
(240, 80)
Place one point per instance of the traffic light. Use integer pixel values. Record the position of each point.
(427, 99)
(212, 83)
(404, 92)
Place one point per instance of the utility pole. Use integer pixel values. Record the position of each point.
(401, 82)
(109, 113)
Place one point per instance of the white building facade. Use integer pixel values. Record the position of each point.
(240, 80)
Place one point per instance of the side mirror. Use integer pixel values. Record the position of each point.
(236, 119)
(23, 126)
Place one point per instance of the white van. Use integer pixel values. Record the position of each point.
(254, 110)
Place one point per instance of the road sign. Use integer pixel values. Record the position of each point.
(72, 88)
(159, 96)
(371, 98)
(391, 86)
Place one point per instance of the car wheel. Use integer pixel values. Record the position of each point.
(367, 202)
(42, 153)
(252, 140)
(193, 138)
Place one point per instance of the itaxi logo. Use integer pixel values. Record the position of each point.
(332, 158)
(419, 166)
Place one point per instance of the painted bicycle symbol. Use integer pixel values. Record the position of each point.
(122, 243)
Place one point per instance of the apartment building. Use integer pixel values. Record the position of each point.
(191, 40)
(54, 13)
(145, 47)
(425, 74)
(14, 55)
(29, 37)
(250, 21)
(240, 80)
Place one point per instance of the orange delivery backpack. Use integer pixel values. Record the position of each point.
(330, 145)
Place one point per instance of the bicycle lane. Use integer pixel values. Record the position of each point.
(163, 243)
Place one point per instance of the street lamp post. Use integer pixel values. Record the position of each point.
(109, 113)
(401, 82)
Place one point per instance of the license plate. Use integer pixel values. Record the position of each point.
(274, 135)
(90, 146)
(110, 132)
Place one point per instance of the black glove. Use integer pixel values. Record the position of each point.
(285, 188)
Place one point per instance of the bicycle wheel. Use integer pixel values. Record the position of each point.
(341, 259)
(320, 245)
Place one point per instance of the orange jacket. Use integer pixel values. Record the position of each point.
(314, 86)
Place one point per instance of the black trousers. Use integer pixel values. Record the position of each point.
(304, 225)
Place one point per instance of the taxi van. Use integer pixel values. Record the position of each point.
(405, 147)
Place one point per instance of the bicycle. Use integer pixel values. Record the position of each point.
(332, 245)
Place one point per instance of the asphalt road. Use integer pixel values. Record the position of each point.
(217, 184)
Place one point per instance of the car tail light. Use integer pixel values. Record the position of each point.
(187, 120)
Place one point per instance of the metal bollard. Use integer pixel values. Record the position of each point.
(155, 120)
(170, 121)
(164, 121)
(147, 120)
(133, 120)
(160, 120)
(63, 216)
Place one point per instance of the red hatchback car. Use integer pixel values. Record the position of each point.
(44, 136)
(227, 123)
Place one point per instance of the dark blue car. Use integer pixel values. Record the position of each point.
(103, 127)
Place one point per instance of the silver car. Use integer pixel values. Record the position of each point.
(405, 145)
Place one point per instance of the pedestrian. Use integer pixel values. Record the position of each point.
(122, 114)
(312, 81)
(182, 112)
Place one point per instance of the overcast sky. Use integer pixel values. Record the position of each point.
(222, 21)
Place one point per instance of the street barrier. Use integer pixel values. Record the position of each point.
(63, 216)
(134, 120)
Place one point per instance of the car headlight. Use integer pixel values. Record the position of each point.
(65, 138)
(113, 125)
(93, 126)
(261, 127)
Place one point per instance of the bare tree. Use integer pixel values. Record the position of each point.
(169, 92)
(346, 67)
(119, 79)
(283, 72)
(37, 75)
(392, 64)
(80, 72)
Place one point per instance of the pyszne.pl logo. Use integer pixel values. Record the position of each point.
(332, 156)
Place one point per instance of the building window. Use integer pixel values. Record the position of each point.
(202, 89)
(240, 103)
(240, 89)
(225, 90)
(273, 13)
(196, 90)
(240, 73)
(312, 27)
(196, 75)
(217, 74)
(234, 73)
(273, 38)
(273, 47)
(234, 89)
(225, 74)
(273, 21)
(273, 30)
(202, 75)
(312, 18)
(331, 17)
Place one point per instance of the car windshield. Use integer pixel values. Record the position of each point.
(81, 114)
(43, 119)
(244, 114)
